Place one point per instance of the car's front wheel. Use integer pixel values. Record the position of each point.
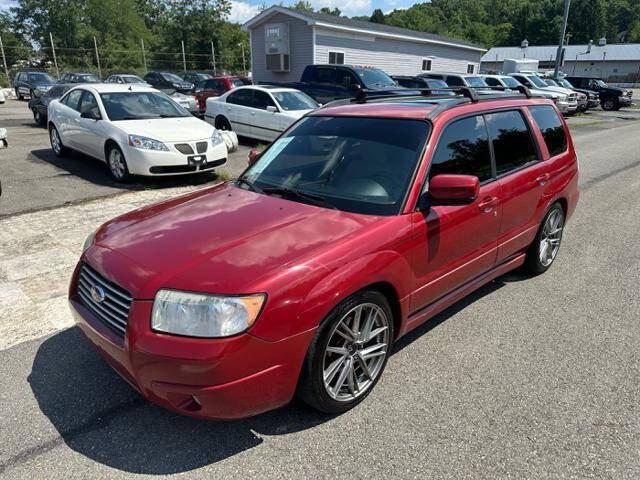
(545, 247)
(117, 164)
(348, 354)
(38, 118)
(610, 103)
(56, 142)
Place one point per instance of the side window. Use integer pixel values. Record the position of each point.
(512, 142)
(72, 99)
(345, 78)
(492, 82)
(551, 127)
(463, 149)
(240, 97)
(324, 75)
(262, 100)
(522, 80)
(88, 102)
(455, 82)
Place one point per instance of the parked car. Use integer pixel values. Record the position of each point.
(422, 82)
(195, 77)
(39, 106)
(168, 82)
(2, 97)
(261, 112)
(581, 98)
(124, 78)
(593, 98)
(462, 80)
(567, 102)
(611, 98)
(188, 102)
(80, 77)
(216, 86)
(340, 238)
(32, 83)
(135, 129)
(325, 83)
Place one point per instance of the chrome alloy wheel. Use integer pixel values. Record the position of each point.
(56, 144)
(116, 163)
(356, 352)
(551, 237)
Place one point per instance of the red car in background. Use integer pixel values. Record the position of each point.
(358, 224)
(216, 86)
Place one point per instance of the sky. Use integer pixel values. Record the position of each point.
(243, 10)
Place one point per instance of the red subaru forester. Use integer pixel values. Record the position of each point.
(358, 224)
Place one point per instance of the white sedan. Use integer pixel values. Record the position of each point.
(260, 112)
(135, 129)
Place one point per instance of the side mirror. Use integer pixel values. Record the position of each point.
(252, 156)
(454, 189)
(271, 108)
(92, 114)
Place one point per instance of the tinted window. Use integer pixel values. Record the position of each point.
(512, 143)
(72, 99)
(551, 127)
(262, 100)
(345, 78)
(463, 149)
(88, 102)
(240, 97)
(411, 83)
(492, 82)
(455, 82)
(323, 75)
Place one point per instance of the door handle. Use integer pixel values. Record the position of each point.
(544, 178)
(487, 204)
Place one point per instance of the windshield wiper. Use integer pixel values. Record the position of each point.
(137, 118)
(317, 200)
(249, 184)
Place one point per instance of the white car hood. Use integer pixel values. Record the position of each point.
(168, 129)
(563, 91)
(296, 113)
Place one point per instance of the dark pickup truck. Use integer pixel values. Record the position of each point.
(332, 82)
(611, 98)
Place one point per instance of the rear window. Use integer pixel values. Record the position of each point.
(551, 127)
(512, 143)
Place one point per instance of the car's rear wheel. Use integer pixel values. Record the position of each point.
(348, 354)
(545, 247)
(222, 123)
(56, 142)
(117, 164)
(610, 103)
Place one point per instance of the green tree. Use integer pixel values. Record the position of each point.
(331, 11)
(303, 5)
(377, 16)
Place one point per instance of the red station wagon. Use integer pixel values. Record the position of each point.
(361, 222)
(216, 86)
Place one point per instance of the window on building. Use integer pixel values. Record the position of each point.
(512, 143)
(273, 32)
(551, 128)
(336, 58)
(470, 68)
(426, 65)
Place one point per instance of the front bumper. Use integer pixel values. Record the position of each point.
(625, 101)
(226, 378)
(593, 103)
(567, 108)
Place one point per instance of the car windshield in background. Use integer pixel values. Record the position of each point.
(475, 82)
(40, 78)
(295, 101)
(56, 92)
(89, 79)
(551, 83)
(170, 77)
(600, 83)
(238, 82)
(361, 165)
(537, 81)
(132, 79)
(140, 106)
(510, 82)
(565, 83)
(372, 77)
(437, 83)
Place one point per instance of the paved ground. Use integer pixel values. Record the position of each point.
(527, 378)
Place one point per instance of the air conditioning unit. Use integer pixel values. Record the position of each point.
(278, 62)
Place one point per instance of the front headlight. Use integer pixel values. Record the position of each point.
(204, 315)
(562, 98)
(88, 241)
(216, 138)
(145, 143)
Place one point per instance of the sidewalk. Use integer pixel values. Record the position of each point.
(38, 252)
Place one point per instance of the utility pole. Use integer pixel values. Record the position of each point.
(144, 58)
(95, 46)
(562, 33)
(4, 61)
(244, 67)
(213, 57)
(184, 60)
(55, 61)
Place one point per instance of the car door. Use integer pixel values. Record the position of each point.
(265, 125)
(454, 244)
(323, 83)
(91, 137)
(69, 118)
(346, 83)
(21, 83)
(237, 108)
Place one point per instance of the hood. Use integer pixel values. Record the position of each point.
(562, 90)
(296, 113)
(182, 129)
(223, 239)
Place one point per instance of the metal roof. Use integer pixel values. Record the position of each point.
(329, 21)
(620, 52)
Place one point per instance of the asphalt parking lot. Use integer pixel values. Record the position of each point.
(526, 378)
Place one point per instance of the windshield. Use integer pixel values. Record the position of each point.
(140, 106)
(57, 92)
(600, 83)
(565, 83)
(372, 77)
(89, 78)
(170, 77)
(132, 79)
(361, 165)
(551, 82)
(436, 83)
(476, 82)
(294, 101)
(238, 82)
(40, 78)
(537, 81)
(510, 82)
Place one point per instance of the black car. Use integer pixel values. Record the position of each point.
(80, 77)
(32, 83)
(593, 97)
(422, 82)
(195, 77)
(168, 82)
(40, 105)
(611, 98)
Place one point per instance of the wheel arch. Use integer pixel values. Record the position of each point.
(107, 144)
(391, 294)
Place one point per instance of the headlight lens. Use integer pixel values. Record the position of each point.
(145, 143)
(203, 315)
(216, 138)
(88, 242)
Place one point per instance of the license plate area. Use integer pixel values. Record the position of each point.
(196, 159)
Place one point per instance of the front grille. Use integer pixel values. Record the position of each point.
(187, 168)
(184, 148)
(572, 97)
(113, 310)
(201, 147)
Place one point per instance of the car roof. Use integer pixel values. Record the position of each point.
(266, 88)
(116, 87)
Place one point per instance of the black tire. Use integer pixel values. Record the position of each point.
(311, 386)
(222, 123)
(533, 263)
(18, 94)
(120, 175)
(38, 118)
(60, 150)
(610, 103)
(32, 94)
